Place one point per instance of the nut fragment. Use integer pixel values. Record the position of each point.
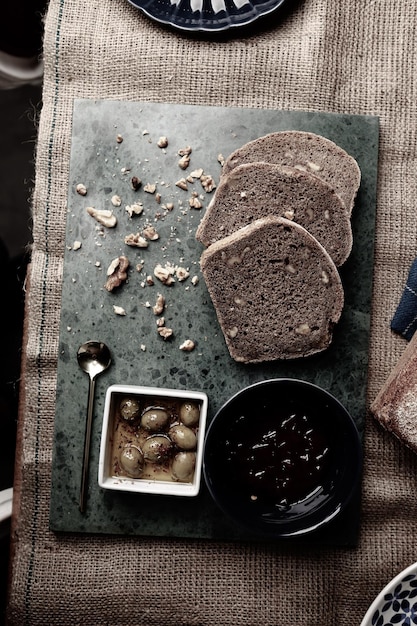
(182, 184)
(102, 216)
(232, 332)
(303, 329)
(119, 138)
(187, 346)
(136, 241)
(185, 151)
(208, 183)
(165, 332)
(117, 272)
(150, 188)
(119, 310)
(162, 142)
(76, 245)
(134, 209)
(150, 233)
(194, 202)
(159, 305)
(184, 162)
(135, 183)
(181, 273)
(165, 274)
(81, 189)
(195, 174)
(116, 200)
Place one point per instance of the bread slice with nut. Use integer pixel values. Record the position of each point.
(254, 190)
(308, 152)
(276, 291)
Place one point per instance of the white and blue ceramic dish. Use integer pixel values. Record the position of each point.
(207, 15)
(397, 602)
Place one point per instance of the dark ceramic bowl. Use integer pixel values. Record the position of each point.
(282, 458)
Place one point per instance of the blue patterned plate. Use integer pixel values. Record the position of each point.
(207, 15)
(397, 602)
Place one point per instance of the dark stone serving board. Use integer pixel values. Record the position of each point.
(100, 162)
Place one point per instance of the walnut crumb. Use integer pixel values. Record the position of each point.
(117, 273)
(187, 346)
(165, 332)
(119, 310)
(159, 305)
(136, 241)
(150, 188)
(81, 189)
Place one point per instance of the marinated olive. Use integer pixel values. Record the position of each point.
(129, 409)
(189, 413)
(183, 437)
(183, 467)
(157, 448)
(154, 419)
(131, 460)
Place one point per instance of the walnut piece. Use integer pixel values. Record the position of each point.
(135, 183)
(102, 216)
(136, 241)
(182, 184)
(187, 346)
(208, 183)
(134, 209)
(162, 142)
(165, 332)
(150, 233)
(159, 305)
(165, 274)
(117, 273)
(81, 189)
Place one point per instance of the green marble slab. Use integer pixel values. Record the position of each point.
(140, 356)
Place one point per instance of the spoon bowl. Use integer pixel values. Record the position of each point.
(93, 358)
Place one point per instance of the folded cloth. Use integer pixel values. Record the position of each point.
(404, 321)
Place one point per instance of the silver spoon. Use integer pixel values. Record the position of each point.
(94, 358)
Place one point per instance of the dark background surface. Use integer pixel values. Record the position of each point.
(19, 110)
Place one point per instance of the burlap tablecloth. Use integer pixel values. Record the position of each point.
(354, 57)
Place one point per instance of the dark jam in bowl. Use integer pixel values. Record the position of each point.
(276, 459)
(282, 457)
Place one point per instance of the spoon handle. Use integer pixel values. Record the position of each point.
(87, 441)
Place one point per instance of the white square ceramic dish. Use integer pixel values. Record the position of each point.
(170, 401)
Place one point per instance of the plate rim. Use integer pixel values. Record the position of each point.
(142, 6)
(392, 583)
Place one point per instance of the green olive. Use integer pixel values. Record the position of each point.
(156, 449)
(183, 437)
(129, 409)
(154, 419)
(183, 467)
(189, 413)
(131, 460)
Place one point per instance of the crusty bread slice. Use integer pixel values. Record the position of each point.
(255, 190)
(275, 289)
(306, 151)
(395, 406)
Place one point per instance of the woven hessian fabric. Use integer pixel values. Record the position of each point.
(347, 57)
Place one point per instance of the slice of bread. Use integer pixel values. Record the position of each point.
(308, 152)
(275, 289)
(395, 406)
(255, 190)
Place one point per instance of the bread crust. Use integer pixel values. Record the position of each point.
(307, 151)
(395, 406)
